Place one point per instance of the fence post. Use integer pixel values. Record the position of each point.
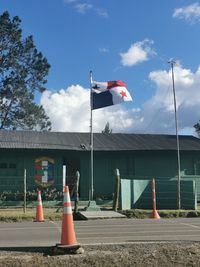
(24, 190)
(64, 176)
(116, 193)
(154, 214)
(76, 195)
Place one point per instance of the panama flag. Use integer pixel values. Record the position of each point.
(110, 93)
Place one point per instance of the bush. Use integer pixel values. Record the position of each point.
(47, 195)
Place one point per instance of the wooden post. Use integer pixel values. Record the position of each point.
(116, 193)
(76, 188)
(24, 190)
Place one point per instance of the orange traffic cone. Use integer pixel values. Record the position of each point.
(154, 214)
(39, 209)
(68, 239)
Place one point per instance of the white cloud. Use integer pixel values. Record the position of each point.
(103, 50)
(189, 13)
(101, 12)
(158, 112)
(69, 1)
(137, 53)
(83, 8)
(69, 109)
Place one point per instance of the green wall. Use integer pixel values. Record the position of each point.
(140, 165)
(137, 194)
(13, 179)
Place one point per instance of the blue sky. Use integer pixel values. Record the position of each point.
(130, 40)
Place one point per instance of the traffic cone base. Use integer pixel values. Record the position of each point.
(155, 215)
(65, 249)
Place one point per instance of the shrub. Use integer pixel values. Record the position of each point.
(47, 195)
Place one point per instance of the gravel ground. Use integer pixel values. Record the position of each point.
(135, 254)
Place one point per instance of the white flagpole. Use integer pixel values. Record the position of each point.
(91, 192)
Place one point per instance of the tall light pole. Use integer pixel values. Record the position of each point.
(91, 192)
(172, 63)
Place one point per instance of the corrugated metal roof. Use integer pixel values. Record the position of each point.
(102, 142)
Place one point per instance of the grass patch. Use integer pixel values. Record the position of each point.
(55, 214)
(142, 214)
(18, 215)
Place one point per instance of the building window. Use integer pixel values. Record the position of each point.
(197, 168)
(3, 165)
(12, 166)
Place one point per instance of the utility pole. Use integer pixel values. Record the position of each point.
(172, 63)
(91, 192)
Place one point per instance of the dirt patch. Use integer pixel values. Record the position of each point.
(137, 254)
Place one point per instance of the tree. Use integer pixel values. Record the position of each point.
(197, 128)
(107, 129)
(22, 74)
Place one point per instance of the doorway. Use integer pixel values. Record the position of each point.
(72, 166)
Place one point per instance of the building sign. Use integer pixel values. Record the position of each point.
(44, 171)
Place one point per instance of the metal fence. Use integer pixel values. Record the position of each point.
(138, 194)
(20, 190)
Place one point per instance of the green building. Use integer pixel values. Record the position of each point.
(137, 156)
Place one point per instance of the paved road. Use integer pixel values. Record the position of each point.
(27, 234)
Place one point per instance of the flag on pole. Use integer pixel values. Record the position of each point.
(109, 93)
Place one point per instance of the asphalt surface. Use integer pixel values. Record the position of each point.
(29, 234)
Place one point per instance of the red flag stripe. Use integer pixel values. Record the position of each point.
(112, 84)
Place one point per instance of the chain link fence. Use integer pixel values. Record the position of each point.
(22, 190)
